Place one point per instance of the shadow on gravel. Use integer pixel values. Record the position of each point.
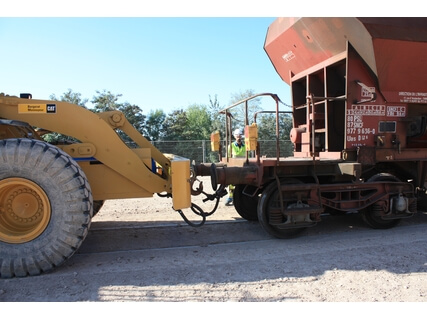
(131, 235)
(144, 260)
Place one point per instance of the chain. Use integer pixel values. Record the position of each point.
(199, 211)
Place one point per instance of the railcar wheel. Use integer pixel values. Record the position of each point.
(45, 207)
(245, 205)
(371, 215)
(269, 211)
(422, 202)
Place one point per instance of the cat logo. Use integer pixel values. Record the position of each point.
(51, 108)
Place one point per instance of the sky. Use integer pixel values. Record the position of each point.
(156, 63)
(167, 55)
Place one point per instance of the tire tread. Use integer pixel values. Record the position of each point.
(71, 202)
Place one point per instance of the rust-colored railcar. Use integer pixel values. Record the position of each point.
(359, 105)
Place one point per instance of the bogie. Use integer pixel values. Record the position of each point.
(284, 214)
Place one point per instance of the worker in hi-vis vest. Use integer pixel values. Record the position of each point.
(235, 150)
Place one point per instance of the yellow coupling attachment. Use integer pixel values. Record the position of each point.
(215, 141)
(251, 136)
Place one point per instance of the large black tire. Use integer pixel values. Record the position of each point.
(245, 205)
(47, 207)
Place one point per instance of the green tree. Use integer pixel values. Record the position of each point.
(238, 112)
(154, 125)
(71, 97)
(134, 115)
(267, 126)
(105, 101)
(217, 118)
(193, 123)
(174, 126)
(217, 124)
(198, 122)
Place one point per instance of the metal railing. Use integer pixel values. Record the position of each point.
(200, 150)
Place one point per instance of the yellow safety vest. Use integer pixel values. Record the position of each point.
(238, 151)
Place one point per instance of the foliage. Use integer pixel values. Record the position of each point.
(267, 126)
(154, 125)
(71, 97)
(174, 126)
(238, 112)
(217, 118)
(134, 115)
(196, 122)
(105, 101)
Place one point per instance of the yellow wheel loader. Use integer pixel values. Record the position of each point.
(49, 193)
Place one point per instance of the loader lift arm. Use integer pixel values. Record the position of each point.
(103, 156)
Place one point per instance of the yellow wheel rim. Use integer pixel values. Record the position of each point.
(24, 210)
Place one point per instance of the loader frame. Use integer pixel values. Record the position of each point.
(114, 170)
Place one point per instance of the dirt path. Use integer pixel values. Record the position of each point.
(141, 250)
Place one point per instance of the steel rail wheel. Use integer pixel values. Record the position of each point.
(371, 215)
(24, 210)
(245, 205)
(45, 207)
(269, 211)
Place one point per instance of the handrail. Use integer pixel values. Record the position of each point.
(225, 111)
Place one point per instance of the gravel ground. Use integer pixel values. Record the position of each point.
(140, 250)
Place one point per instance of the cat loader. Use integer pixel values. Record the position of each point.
(49, 193)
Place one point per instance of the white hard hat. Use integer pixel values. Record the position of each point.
(237, 132)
